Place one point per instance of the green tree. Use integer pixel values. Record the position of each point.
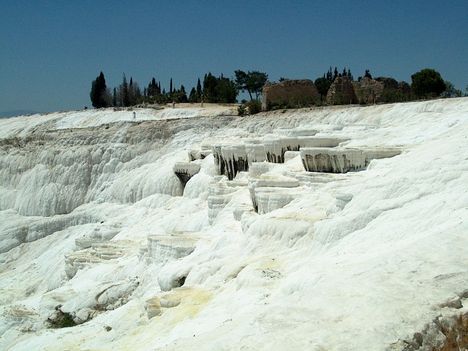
(100, 96)
(114, 97)
(252, 82)
(153, 90)
(123, 92)
(209, 88)
(134, 93)
(226, 91)
(450, 90)
(199, 90)
(427, 83)
(193, 97)
(219, 89)
(322, 85)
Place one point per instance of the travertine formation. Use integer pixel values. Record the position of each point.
(162, 248)
(342, 160)
(269, 191)
(97, 252)
(332, 160)
(186, 170)
(297, 231)
(232, 158)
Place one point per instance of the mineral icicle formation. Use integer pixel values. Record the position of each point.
(186, 170)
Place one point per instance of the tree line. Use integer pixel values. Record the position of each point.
(426, 83)
(213, 89)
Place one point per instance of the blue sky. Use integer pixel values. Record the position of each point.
(50, 51)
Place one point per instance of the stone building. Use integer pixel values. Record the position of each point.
(290, 94)
(368, 90)
(341, 92)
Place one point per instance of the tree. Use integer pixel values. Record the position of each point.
(134, 93)
(450, 90)
(100, 96)
(226, 90)
(335, 73)
(124, 95)
(219, 89)
(199, 90)
(252, 82)
(209, 86)
(322, 85)
(114, 97)
(193, 97)
(427, 83)
(153, 89)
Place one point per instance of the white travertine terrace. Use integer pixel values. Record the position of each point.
(342, 160)
(366, 260)
(275, 148)
(162, 248)
(332, 160)
(270, 191)
(186, 170)
(95, 253)
(236, 156)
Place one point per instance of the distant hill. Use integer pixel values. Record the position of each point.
(13, 113)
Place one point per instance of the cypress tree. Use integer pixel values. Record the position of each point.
(193, 96)
(124, 92)
(199, 90)
(114, 97)
(99, 95)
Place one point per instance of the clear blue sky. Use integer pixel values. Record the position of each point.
(50, 51)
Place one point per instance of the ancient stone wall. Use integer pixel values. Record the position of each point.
(341, 92)
(368, 90)
(290, 93)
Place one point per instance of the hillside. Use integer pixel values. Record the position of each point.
(96, 229)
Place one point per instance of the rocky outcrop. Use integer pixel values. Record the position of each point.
(290, 93)
(445, 333)
(341, 92)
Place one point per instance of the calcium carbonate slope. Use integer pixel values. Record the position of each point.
(94, 223)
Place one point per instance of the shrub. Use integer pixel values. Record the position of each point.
(241, 110)
(254, 107)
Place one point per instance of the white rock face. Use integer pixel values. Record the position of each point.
(162, 248)
(186, 170)
(332, 160)
(97, 229)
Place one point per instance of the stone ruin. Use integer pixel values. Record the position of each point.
(368, 90)
(290, 93)
(341, 92)
(382, 89)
